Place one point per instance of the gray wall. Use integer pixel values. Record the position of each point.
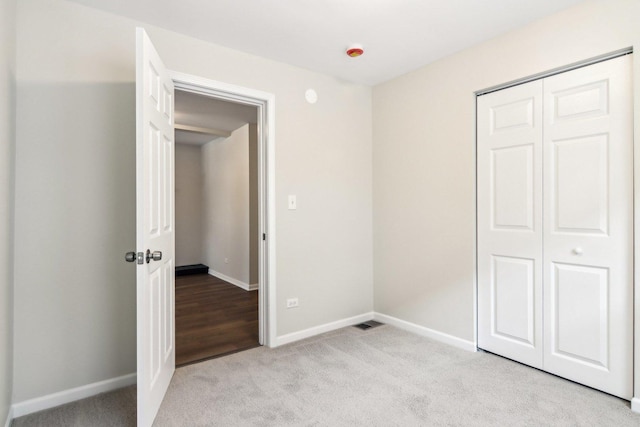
(75, 204)
(189, 181)
(225, 163)
(7, 155)
(424, 158)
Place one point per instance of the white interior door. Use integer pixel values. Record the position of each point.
(510, 223)
(154, 228)
(588, 253)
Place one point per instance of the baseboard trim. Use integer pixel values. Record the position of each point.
(67, 396)
(9, 417)
(238, 283)
(425, 332)
(635, 405)
(321, 329)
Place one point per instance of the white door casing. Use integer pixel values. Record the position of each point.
(154, 228)
(555, 225)
(265, 104)
(588, 233)
(510, 223)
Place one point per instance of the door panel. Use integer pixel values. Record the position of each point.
(154, 225)
(580, 102)
(580, 320)
(509, 223)
(512, 115)
(512, 291)
(588, 226)
(579, 186)
(511, 173)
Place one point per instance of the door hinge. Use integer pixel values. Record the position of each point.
(264, 236)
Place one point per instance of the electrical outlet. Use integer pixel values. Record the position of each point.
(226, 260)
(292, 302)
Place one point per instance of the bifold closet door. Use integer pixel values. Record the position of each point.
(509, 154)
(555, 224)
(588, 226)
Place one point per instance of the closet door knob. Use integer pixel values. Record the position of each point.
(577, 251)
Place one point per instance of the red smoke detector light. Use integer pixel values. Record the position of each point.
(355, 51)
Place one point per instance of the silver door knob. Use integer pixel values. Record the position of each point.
(134, 256)
(578, 251)
(155, 255)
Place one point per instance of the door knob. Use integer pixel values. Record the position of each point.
(133, 257)
(577, 251)
(155, 255)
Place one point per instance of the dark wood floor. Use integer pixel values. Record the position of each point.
(213, 318)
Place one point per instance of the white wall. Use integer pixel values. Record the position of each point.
(7, 160)
(225, 163)
(424, 158)
(189, 184)
(75, 204)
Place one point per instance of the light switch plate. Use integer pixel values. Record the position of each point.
(293, 204)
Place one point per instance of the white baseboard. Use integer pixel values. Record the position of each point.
(321, 329)
(383, 318)
(425, 332)
(238, 283)
(9, 418)
(66, 396)
(635, 405)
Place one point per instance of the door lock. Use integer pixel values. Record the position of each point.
(156, 256)
(133, 257)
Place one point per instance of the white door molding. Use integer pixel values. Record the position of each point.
(265, 103)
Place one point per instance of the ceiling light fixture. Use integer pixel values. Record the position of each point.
(355, 50)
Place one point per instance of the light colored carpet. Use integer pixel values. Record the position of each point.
(379, 377)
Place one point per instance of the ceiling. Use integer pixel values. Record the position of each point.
(205, 112)
(398, 35)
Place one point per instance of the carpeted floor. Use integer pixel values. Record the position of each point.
(378, 377)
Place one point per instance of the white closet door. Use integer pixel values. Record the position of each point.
(509, 223)
(588, 227)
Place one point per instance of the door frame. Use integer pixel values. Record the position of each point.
(265, 103)
(635, 401)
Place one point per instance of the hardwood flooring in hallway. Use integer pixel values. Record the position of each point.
(213, 318)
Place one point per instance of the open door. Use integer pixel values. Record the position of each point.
(154, 228)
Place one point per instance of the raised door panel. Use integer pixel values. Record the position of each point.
(579, 188)
(511, 174)
(579, 321)
(512, 115)
(509, 223)
(581, 101)
(512, 299)
(588, 226)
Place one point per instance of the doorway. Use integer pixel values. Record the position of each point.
(216, 240)
(265, 104)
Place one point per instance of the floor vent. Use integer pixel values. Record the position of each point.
(368, 325)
